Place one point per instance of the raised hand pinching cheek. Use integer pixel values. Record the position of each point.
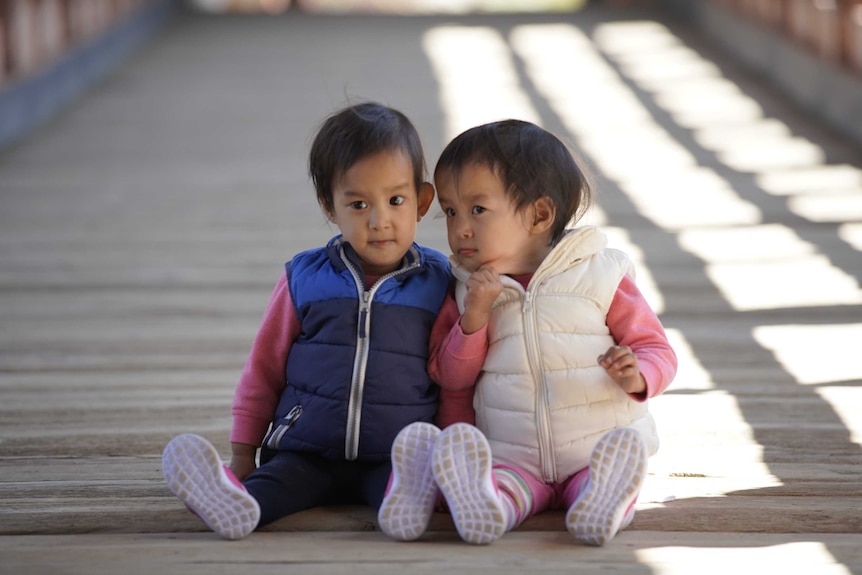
(621, 364)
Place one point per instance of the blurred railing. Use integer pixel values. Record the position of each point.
(52, 50)
(33, 33)
(36, 33)
(810, 50)
(830, 28)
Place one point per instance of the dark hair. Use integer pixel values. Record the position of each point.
(356, 132)
(531, 163)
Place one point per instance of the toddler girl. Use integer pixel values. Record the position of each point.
(545, 344)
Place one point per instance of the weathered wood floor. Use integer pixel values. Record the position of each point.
(142, 231)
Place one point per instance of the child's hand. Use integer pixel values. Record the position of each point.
(242, 465)
(622, 365)
(242, 459)
(483, 287)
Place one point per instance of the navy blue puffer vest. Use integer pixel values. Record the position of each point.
(357, 373)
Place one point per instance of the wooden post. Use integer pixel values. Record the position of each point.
(5, 42)
(827, 31)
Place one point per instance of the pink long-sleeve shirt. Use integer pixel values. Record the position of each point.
(456, 358)
(262, 380)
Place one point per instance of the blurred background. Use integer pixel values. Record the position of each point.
(153, 182)
(36, 35)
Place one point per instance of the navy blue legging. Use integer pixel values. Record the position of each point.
(290, 482)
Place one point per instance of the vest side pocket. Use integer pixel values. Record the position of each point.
(287, 422)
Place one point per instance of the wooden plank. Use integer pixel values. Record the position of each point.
(638, 552)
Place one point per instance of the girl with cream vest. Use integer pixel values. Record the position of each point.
(546, 353)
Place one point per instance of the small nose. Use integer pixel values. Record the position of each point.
(379, 219)
(462, 228)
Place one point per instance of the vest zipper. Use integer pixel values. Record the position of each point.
(542, 406)
(360, 359)
(357, 383)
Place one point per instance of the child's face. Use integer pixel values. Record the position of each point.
(376, 208)
(483, 226)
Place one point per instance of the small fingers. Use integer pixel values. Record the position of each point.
(615, 354)
(486, 274)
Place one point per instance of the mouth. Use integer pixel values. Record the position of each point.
(466, 252)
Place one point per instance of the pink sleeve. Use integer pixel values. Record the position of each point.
(633, 323)
(456, 358)
(262, 380)
(455, 407)
(454, 364)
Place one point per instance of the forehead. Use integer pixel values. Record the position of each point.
(470, 181)
(381, 171)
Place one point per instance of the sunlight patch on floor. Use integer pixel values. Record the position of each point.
(852, 234)
(847, 403)
(477, 77)
(799, 557)
(837, 206)
(775, 285)
(815, 354)
(810, 180)
(659, 175)
(723, 434)
(760, 267)
(731, 124)
(690, 374)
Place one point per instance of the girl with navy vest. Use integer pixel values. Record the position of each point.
(338, 366)
(546, 353)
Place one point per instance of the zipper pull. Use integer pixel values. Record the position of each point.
(363, 314)
(528, 301)
(293, 415)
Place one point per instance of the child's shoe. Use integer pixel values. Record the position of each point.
(462, 469)
(195, 473)
(409, 503)
(617, 471)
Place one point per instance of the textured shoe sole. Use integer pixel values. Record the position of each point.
(409, 504)
(195, 473)
(462, 469)
(617, 471)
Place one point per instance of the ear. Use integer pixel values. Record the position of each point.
(544, 212)
(425, 196)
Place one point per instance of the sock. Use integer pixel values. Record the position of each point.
(515, 495)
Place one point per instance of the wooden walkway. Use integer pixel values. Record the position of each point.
(142, 231)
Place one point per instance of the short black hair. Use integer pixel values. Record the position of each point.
(356, 132)
(531, 162)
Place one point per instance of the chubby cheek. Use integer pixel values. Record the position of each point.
(452, 237)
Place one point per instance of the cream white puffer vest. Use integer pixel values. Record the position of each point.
(542, 399)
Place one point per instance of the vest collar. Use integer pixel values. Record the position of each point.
(576, 245)
(411, 262)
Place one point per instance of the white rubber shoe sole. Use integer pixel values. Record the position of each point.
(462, 469)
(618, 468)
(409, 504)
(195, 473)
